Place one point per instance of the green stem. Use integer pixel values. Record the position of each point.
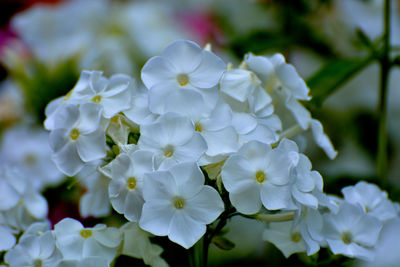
(382, 164)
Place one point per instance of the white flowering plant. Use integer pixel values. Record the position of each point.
(180, 152)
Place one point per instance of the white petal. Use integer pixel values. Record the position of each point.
(89, 118)
(221, 142)
(133, 206)
(192, 150)
(110, 237)
(9, 197)
(7, 239)
(66, 117)
(322, 139)
(300, 113)
(184, 230)
(235, 170)
(189, 178)
(68, 160)
(58, 138)
(184, 55)
(206, 206)
(209, 72)
(36, 205)
(116, 103)
(243, 122)
(260, 65)
(275, 197)
(156, 217)
(246, 198)
(158, 70)
(92, 146)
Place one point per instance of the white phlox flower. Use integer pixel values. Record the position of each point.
(28, 150)
(183, 73)
(351, 232)
(76, 242)
(85, 262)
(257, 176)
(78, 137)
(374, 201)
(126, 186)
(286, 238)
(137, 245)
(172, 139)
(35, 251)
(178, 204)
(20, 203)
(217, 130)
(113, 94)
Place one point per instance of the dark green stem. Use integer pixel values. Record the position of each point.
(382, 164)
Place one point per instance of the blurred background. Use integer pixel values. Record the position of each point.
(44, 45)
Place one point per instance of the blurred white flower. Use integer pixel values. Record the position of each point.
(178, 204)
(27, 149)
(285, 237)
(371, 199)
(137, 244)
(351, 232)
(34, 251)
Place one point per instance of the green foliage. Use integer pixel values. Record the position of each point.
(333, 75)
(40, 84)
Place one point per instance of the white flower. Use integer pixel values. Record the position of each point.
(50, 32)
(126, 186)
(28, 150)
(77, 137)
(178, 204)
(216, 129)
(285, 237)
(77, 243)
(351, 232)
(184, 73)
(172, 139)
(113, 94)
(34, 251)
(373, 201)
(137, 244)
(257, 175)
(17, 197)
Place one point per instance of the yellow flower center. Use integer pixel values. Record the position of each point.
(37, 263)
(260, 176)
(96, 99)
(182, 79)
(131, 183)
(86, 233)
(179, 203)
(30, 159)
(74, 134)
(198, 127)
(168, 151)
(295, 237)
(347, 237)
(115, 120)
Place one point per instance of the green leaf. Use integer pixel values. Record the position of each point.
(333, 75)
(223, 242)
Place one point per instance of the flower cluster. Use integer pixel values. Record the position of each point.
(197, 141)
